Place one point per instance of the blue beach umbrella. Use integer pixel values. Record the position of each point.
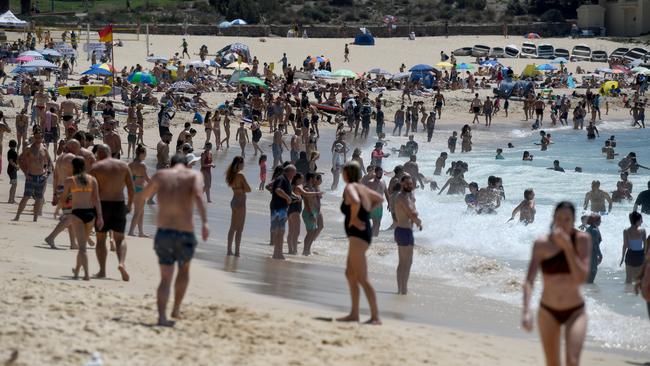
(546, 67)
(225, 24)
(97, 71)
(322, 74)
(559, 60)
(422, 68)
(464, 66)
(490, 63)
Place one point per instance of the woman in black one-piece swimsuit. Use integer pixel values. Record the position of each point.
(564, 258)
(358, 200)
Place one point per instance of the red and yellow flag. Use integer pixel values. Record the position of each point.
(106, 34)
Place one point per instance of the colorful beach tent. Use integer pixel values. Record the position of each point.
(8, 19)
(232, 52)
(364, 38)
(530, 71)
(607, 87)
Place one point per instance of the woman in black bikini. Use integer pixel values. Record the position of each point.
(358, 201)
(564, 257)
(85, 208)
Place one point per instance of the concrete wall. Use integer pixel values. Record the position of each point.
(591, 16)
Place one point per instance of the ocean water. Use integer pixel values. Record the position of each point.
(490, 255)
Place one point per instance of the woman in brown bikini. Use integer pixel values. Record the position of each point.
(237, 182)
(564, 258)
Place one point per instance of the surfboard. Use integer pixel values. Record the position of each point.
(328, 107)
(86, 90)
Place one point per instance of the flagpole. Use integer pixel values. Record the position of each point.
(112, 61)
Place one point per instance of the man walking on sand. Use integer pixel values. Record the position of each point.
(178, 188)
(112, 177)
(280, 201)
(406, 216)
(36, 163)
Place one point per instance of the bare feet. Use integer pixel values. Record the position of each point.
(50, 242)
(165, 323)
(112, 246)
(125, 275)
(236, 254)
(229, 253)
(100, 275)
(74, 246)
(373, 321)
(131, 233)
(75, 274)
(177, 315)
(348, 319)
(279, 257)
(143, 235)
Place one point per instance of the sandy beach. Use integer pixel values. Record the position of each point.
(254, 310)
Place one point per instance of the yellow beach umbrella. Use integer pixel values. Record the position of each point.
(444, 65)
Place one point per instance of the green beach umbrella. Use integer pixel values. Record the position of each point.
(253, 81)
(464, 66)
(343, 73)
(142, 78)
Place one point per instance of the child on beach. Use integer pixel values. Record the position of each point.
(506, 104)
(451, 142)
(471, 199)
(206, 169)
(499, 155)
(262, 164)
(12, 169)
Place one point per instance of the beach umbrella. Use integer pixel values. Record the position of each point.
(157, 59)
(196, 64)
(421, 68)
(225, 24)
(559, 60)
(103, 66)
(142, 78)
(39, 64)
(605, 70)
(344, 73)
(490, 63)
(97, 71)
(464, 66)
(250, 80)
(639, 69)
(24, 70)
(444, 65)
(532, 36)
(182, 85)
(24, 59)
(645, 72)
(50, 52)
(238, 22)
(379, 71)
(322, 74)
(401, 76)
(33, 54)
(546, 67)
(618, 69)
(238, 66)
(313, 60)
(212, 63)
(171, 68)
(299, 75)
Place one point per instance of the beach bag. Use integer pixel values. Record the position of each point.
(645, 281)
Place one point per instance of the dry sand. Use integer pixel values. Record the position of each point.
(50, 319)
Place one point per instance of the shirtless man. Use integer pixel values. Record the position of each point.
(411, 168)
(162, 151)
(178, 188)
(22, 122)
(406, 215)
(69, 111)
(62, 170)
(376, 183)
(35, 162)
(276, 147)
(539, 109)
(311, 214)
(526, 208)
(438, 102)
(114, 142)
(112, 177)
(476, 108)
(597, 198)
(50, 128)
(295, 146)
(40, 101)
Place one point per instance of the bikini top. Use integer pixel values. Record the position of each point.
(77, 188)
(558, 263)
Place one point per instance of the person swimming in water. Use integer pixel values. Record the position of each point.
(526, 208)
(597, 197)
(563, 257)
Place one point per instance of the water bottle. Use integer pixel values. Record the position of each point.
(95, 360)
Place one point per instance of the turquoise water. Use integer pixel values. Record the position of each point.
(486, 253)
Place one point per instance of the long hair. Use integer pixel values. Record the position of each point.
(233, 169)
(562, 205)
(78, 170)
(138, 151)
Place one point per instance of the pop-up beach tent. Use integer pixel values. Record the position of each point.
(232, 52)
(364, 38)
(8, 19)
(513, 89)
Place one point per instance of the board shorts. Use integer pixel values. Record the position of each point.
(310, 218)
(539, 112)
(477, 110)
(51, 136)
(377, 212)
(404, 236)
(173, 246)
(279, 218)
(34, 186)
(67, 118)
(131, 138)
(13, 177)
(114, 214)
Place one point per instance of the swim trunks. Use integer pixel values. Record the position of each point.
(310, 219)
(174, 246)
(114, 214)
(404, 236)
(131, 138)
(34, 186)
(278, 219)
